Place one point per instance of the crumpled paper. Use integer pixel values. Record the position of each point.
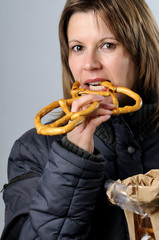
(138, 194)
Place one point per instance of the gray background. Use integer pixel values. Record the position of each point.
(30, 71)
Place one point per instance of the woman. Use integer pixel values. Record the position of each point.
(56, 188)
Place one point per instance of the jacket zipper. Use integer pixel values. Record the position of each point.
(19, 178)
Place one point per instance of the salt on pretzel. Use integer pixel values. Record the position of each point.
(72, 119)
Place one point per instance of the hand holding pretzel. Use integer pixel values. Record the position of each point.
(72, 119)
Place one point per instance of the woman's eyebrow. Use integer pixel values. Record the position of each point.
(74, 40)
(108, 38)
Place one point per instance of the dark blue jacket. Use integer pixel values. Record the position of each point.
(55, 193)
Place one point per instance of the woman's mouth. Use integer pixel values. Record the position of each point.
(95, 86)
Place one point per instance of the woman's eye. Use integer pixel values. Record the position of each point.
(77, 48)
(108, 45)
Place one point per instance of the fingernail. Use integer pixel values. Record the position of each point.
(111, 105)
(109, 112)
(108, 117)
(100, 97)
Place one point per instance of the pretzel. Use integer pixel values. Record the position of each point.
(143, 227)
(72, 119)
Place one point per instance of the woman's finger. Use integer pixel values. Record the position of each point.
(85, 100)
(100, 112)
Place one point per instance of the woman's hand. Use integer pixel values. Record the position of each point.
(82, 135)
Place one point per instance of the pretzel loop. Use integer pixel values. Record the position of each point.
(72, 119)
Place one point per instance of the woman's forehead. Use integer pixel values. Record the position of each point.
(98, 21)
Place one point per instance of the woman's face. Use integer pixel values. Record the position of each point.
(96, 55)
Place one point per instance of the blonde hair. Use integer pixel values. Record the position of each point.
(132, 22)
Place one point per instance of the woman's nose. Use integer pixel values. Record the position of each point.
(92, 62)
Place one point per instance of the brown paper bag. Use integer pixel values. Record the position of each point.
(140, 227)
(138, 194)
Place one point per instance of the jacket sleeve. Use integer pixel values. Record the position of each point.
(26, 161)
(65, 197)
(52, 192)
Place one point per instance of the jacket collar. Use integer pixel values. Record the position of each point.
(141, 124)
